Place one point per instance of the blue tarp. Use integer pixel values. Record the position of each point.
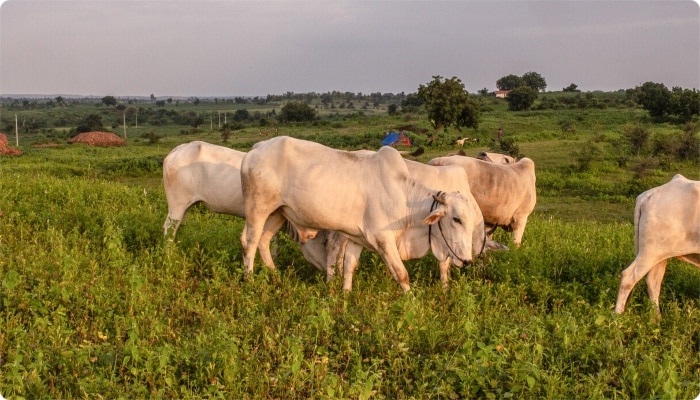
(390, 138)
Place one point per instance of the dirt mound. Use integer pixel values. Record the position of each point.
(5, 147)
(103, 139)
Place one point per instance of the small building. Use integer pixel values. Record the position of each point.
(501, 94)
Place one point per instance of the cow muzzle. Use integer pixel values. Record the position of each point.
(466, 263)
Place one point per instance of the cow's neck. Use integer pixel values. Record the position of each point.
(420, 202)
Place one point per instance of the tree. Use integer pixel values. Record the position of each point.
(109, 101)
(571, 88)
(297, 112)
(411, 103)
(654, 97)
(521, 98)
(535, 81)
(684, 104)
(448, 103)
(241, 115)
(91, 122)
(392, 109)
(510, 82)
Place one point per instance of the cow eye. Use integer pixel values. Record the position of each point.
(457, 220)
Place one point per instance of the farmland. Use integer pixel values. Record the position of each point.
(95, 303)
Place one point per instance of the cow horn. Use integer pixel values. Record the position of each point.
(439, 197)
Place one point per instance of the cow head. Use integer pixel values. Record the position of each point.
(451, 225)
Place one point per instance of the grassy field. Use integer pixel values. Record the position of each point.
(95, 304)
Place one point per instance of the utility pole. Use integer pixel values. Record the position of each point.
(16, 132)
(124, 118)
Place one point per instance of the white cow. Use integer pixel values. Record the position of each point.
(203, 172)
(413, 243)
(371, 198)
(506, 193)
(666, 225)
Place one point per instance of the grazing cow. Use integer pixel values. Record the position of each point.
(370, 198)
(460, 142)
(413, 243)
(199, 171)
(497, 158)
(202, 172)
(666, 225)
(505, 194)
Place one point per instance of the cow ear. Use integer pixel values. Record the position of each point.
(434, 217)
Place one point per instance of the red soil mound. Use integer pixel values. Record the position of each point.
(5, 147)
(103, 139)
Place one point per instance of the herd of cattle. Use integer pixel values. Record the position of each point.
(335, 203)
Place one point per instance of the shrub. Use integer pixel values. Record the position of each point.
(637, 136)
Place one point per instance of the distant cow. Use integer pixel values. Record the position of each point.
(370, 198)
(203, 172)
(496, 158)
(666, 225)
(506, 193)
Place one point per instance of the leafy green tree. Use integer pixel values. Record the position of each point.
(297, 112)
(521, 98)
(510, 82)
(392, 109)
(109, 101)
(654, 97)
(535, 81)
(448, 103)
(684, 104)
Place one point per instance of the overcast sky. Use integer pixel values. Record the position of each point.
(248, 48)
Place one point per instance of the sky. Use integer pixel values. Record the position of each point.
(254, 48)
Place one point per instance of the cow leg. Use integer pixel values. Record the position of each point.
(629, 277)
(691, 258)
(171, 223)
(445, 272)
(518, 230)
(351, 258)
(175, 216)
(250, 239)
(390, 254)
(273, 224)
(653, 279)
(336, 246)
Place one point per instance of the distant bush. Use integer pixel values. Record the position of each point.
(297, 112)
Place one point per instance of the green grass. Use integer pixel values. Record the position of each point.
(94, 303)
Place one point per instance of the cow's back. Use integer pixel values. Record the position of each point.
(501, 190)
(200, 171)
(667, 218)
(319, 187)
